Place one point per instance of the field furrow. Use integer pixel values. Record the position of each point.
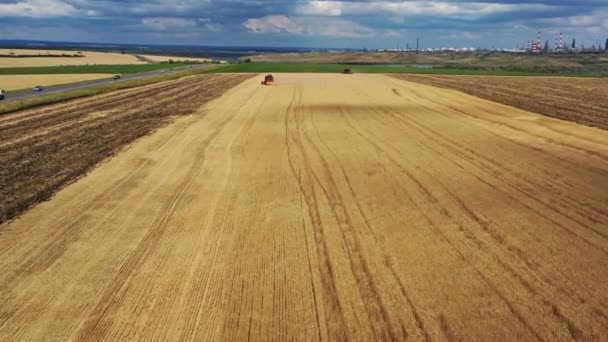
(50, 147)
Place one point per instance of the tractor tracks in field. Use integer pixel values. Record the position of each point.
(436, 228)
(497, 171)
(64, 230)
(323, 179)
(510, 177)
(299, 164)
(304, 152)
(329, 207)
(114, 295)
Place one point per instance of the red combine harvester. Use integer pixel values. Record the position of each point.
(268, 80)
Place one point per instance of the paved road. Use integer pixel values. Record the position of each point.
(22, 94)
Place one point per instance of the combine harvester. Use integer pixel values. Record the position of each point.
(268, 80)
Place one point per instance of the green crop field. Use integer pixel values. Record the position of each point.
(264, 67)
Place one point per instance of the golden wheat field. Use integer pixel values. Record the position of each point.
(16, 82)
(324, 207)
(90, 57)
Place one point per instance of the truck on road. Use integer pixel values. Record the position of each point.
(2, 94)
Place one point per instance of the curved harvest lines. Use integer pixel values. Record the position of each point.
(320, 208)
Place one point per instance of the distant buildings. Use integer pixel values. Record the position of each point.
(535, 47)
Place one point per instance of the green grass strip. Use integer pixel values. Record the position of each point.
(379, 68)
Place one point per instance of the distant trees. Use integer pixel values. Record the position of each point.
(606, 48)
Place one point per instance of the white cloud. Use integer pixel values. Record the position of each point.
(37, 9)
(574, 21)
(273, 23)
(309, 26)
(213, 27)
(327, 8)
(461, 36)
(415, 7)
(160, 23)
(593, 22)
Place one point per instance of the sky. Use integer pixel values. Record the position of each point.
(306, 23)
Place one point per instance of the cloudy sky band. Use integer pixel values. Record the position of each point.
(317, 23)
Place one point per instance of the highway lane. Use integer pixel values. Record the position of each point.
(28, 93)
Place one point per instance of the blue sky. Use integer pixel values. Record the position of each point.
(303, 23)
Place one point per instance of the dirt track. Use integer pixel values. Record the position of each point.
(325, 207)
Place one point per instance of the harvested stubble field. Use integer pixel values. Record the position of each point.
(42, 150)
(582, 100)
(327, 207)
(90, 57)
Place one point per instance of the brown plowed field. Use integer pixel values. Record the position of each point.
(581, 100)
(41, 150)
(326, 207)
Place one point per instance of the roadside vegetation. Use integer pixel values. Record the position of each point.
(12, 106)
